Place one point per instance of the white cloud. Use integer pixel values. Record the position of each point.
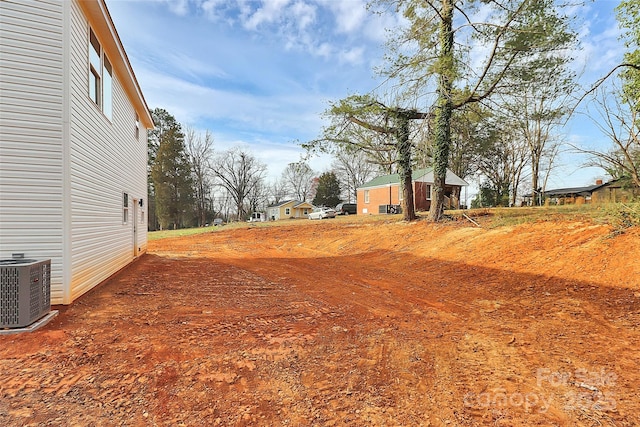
(354, 55)
(324, 50)
(213, 9)
(350, 16)
(179, 7)
(271, 11)
(303, 14)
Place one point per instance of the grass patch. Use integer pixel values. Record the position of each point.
(164, 234)
(620, 216)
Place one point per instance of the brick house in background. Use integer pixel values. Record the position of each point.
(383, 191)
(601, 192)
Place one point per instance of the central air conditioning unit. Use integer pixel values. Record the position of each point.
(390, 209)
(25, 291)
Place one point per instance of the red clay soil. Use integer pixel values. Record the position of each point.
(346, 322)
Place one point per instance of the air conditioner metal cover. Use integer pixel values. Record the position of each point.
(25, 291)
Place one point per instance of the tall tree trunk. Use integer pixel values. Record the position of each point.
(444, 110)
(535, 178)
(404, 167)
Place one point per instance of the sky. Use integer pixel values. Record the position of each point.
(259, 73)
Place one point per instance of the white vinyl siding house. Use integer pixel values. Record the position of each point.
(65, 162)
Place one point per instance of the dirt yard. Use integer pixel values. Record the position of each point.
(346, 322)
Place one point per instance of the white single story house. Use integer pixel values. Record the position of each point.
(73, 150)
(288, 209)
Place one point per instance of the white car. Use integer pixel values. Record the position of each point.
(321, 213)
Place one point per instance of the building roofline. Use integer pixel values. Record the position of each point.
(383, 181)
(102, 23)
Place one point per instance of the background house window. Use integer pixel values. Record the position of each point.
(100, 76)
(125, 208)
(137, 126)
(366, 196)
(400, 192)
(287, 211)
(428, 192)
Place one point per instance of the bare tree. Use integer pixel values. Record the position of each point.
(376, 127)
(537, 111)
(352, 168)
(620, 122)
(298, 179)
(238, 172)
(199, 149)
(443, 45)
(258, 196)
(278, 190)
(502, 159)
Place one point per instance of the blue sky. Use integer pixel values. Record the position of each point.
(258, 74)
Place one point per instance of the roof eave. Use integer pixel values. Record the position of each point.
(101, 22)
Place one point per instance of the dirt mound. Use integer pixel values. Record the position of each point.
(347, 322)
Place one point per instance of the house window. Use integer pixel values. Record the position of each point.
(107, 92)
(95, 68)
(287, 211)
(366, 196)
(400, 192)
(428, 192)
(100, 76)
(137, 126)
(125, 208)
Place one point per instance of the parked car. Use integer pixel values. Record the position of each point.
(321, 213)
(346, 209)
(217, 222)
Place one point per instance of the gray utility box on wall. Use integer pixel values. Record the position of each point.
(25, 291)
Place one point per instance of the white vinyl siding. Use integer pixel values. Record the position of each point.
(31, 131)
(64, 165)
(106, 161)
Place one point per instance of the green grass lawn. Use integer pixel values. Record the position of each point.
(618, 215)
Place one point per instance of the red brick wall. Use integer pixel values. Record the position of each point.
(377, 196)
(380, 196)
(420, 196)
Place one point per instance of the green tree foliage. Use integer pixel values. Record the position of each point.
(515, 36)
(628, 13)
(490, 196)
(328, 191)
(362, 122)
(171, 173)
(470, 128)
(163, 121)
